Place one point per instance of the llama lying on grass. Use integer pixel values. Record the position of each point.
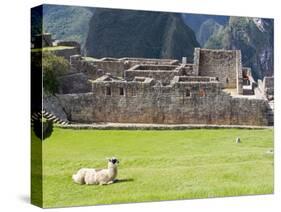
(91, 176)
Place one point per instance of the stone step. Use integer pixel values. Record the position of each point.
(48, 116)
(52, 118)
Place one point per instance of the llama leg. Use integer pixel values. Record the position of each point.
(102, 183)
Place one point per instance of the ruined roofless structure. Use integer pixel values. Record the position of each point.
(214, 89)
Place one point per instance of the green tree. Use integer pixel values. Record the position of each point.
(53, 67)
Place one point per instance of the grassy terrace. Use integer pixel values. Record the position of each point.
(52, 48)
(157, 165)
(90, 59)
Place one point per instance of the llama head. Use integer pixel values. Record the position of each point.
(112, 162)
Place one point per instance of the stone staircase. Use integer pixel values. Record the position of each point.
(48, 116)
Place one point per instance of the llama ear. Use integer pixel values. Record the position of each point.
(109, 159)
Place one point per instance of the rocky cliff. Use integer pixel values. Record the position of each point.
(128, 33)
(254, 36)
(207, 29)
(204, 26)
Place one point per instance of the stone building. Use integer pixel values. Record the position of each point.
(214, 89)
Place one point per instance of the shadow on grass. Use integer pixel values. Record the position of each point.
(124, 180)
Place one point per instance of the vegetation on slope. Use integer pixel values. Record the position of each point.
(67, 22)
(53, 66)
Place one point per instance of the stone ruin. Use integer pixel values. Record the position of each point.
(214, 89)
(64, 48)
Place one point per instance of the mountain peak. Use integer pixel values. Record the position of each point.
(129, 33)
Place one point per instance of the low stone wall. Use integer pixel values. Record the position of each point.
(157, 105)
(187, 70)
(250, 111)
(149, 61)
(115, 68)
(135, 126)
(95, 68)
(69, 43)
(163, 76)
(66, 53)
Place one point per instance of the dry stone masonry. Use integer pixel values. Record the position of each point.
(215, 89)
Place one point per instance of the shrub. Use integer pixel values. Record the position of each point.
(53, 66)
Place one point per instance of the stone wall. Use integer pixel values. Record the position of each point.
(267, 86)
(95, 68)
(164, 76)
(239, 73)
(78, 107)
(149, 61)
(250, 111)
(226, 65)
(67, 52)
(115, 68)
(268, 82)
(163, 73)
(131, 92)
(196, 59)
(42, 40)
(53, 105)
(188, 70)
(74, 83)
(178, 103)
(69, 43)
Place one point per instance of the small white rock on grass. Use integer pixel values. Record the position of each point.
(238, 140)
(270, 151)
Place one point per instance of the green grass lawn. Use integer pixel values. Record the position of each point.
(157, 165)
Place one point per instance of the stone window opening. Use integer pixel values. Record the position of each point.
(187, 93)
(217, 79)
(108, 91)
(227, 80)
(121, 91)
